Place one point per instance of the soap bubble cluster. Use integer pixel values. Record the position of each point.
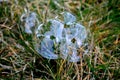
(62, 40)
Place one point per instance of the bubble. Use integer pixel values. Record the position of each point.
(29, 20)
(46, 49)
(69, 19)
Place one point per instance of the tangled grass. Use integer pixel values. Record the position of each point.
(20, 61)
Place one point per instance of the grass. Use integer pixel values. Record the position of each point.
(20, 61)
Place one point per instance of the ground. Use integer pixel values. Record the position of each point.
(20, 61)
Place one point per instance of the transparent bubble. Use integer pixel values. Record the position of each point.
(69, 19)
(29, 20)
(57, 29)
(69, 52)
(74, 57)
(46, 49)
